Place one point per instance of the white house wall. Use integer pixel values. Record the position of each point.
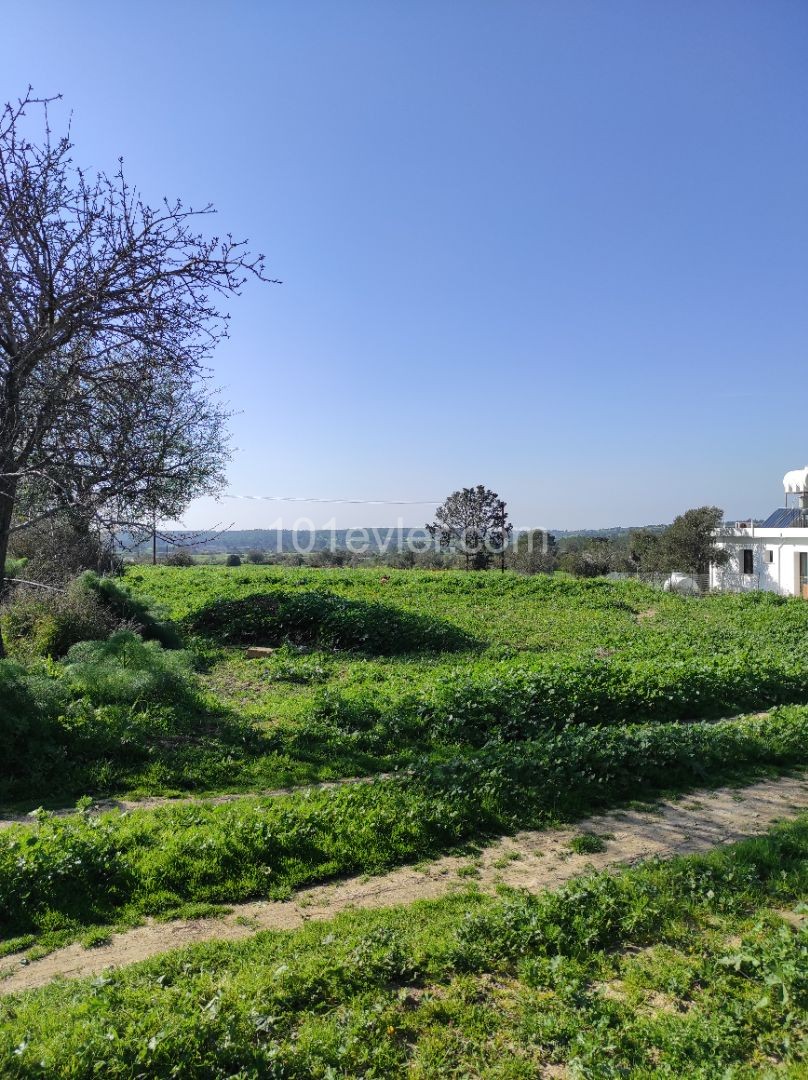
(781, 575)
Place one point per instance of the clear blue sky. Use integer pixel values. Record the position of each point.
(559, 248)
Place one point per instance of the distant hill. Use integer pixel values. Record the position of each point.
(282, 541)
(279, 541)
(614, 533)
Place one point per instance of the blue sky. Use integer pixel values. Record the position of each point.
(557, 248)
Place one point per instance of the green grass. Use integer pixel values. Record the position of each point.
(373, 670)
(503, 703)
(501, 656)
(67, 873)
(696, 967)
(587, 843)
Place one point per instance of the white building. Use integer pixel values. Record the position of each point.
(772, 556)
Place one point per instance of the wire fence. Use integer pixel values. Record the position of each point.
(678, 581)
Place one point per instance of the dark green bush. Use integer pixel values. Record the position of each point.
(325, 620)
(30, 704)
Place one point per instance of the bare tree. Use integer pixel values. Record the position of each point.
(109, 309)
(473, 521)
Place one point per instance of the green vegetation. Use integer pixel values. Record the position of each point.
(489, 703)
(74, 871)
(373, 671)
(496, 701)
(587, 843)
(315, 617)
(695, 967)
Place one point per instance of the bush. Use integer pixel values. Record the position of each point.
(179, 558)
(126, 670)
(48, 622)
(30, 703)
(127, 609)
(255, 557)
(323, 619)
(109, 711)
(57, 549)
(232, 560)
(15, 568)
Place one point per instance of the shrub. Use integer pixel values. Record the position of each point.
(587, 843)
(323, 619)
(255, 557)
(57, 549)
(232, 560)
(179, 558)
(30, 703)
(15, 568)
(126, 670)
(48, 622)
(126, 608)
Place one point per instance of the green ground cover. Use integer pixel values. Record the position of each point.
(63, 875)
(496, 701)
(697, 967)
(496, 656)
(374, 670)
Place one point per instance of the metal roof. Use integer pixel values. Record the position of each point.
(790, 517)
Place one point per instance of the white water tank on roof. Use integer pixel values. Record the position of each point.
(796, 481)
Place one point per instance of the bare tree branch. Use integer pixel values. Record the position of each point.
(109, 310)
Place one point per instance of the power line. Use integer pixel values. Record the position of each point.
(350, 502)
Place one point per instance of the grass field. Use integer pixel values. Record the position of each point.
(483, 703)
(373, 671)
(697, 967)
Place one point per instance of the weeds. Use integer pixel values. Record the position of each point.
(684, 965)
(91, 869)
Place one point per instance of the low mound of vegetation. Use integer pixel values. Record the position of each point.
(325, 620)
(692, 967)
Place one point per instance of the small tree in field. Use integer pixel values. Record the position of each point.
(475, 522)
(108, 312)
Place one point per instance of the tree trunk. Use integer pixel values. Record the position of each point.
(6, 513)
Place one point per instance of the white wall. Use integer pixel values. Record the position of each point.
(779, 576)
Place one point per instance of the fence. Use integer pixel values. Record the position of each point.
(681, 582)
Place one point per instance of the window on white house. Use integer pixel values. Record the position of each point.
(769, 556)
(748, 561)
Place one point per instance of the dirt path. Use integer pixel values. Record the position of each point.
(530, 860)
(154, 801)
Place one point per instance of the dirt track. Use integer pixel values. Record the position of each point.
(530, 860)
